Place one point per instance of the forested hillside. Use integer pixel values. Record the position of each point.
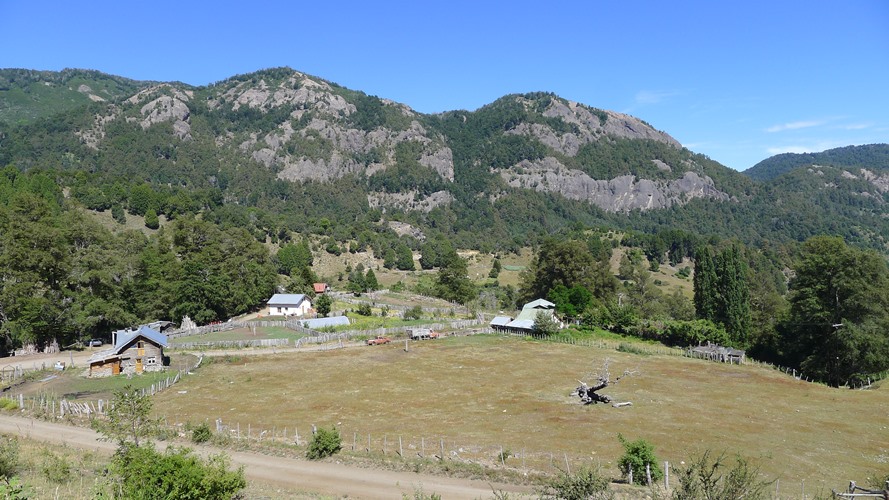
(278, 159)
(874, 157)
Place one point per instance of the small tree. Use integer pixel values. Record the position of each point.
(544, 324)
(415, 312)
(322, 305)
(129, 418)
(638, 454)
(325, 442)
(151, 219)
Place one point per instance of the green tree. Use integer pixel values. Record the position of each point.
(322, 305)
(837, 326)
(638, 454)
(495, 268)
(734, 310)
(128, 420)
(452, 282)
(151, 219)
(569, 263)
(118, 214)
(544, 324)
(370, 281)
(324, 443)
(706, 285)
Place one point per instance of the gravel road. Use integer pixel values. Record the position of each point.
(327, 478)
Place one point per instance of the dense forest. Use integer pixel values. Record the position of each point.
(247, 171)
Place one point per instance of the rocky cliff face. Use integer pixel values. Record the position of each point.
(304, 128)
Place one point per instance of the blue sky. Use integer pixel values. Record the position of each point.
(737, 81)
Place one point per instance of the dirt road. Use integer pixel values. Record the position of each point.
(319, 477)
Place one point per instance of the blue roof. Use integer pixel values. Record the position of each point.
(286, 299)
(325, 322)
(125, 337)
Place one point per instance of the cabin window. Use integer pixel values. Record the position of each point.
(151, 360)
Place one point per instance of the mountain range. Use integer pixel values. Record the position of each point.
(282, 149)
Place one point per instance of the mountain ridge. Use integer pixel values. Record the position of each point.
(303, 149)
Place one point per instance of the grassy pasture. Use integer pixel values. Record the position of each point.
(483, 392)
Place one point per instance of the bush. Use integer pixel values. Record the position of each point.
(636, 455)
(55, 468)
(8, 404)
(144, 473)
(703, 478)
(201, 433)
(414, 313)
(364, 310)
(9, 456)
(586, 483)
(325, 442)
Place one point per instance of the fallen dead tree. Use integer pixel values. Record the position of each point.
(589, 393)
(856, 491)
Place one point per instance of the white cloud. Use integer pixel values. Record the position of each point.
(653, 96)
(795, 125)
(857, 126)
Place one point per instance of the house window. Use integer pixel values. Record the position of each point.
(151, 361)
(280, 309)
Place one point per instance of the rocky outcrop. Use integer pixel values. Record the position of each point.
(409, 200)
(589, 125)
(620, 194)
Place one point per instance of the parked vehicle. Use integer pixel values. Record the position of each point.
(380, 339)
(423, 334)
(95, 343)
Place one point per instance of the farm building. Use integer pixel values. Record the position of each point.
(524, 322)
(135, 351)
(289, 304)
(320, 288)
(715, 352)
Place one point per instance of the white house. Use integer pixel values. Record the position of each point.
(289, 304)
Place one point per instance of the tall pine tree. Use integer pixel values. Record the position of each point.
(734, 307)
(706, 285)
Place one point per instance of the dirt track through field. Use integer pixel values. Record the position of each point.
(317, 477)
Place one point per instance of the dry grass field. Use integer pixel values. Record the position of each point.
(480, 393)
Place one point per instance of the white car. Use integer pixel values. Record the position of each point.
(95, 343)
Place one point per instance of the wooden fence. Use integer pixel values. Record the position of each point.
(438, 447)
(230, 344)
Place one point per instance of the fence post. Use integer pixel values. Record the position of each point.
(666, 476)
(400, 449)
(648, 475)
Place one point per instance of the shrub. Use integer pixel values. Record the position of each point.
(364, 310)
(325, 442)
(9, 456)
(704, 478)
(415, 312)
(201, 433)
(586, 483)
(8, 404)
(144, 473)
(636, 455)
(55, 468)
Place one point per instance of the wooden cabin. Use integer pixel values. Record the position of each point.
(134, 352)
